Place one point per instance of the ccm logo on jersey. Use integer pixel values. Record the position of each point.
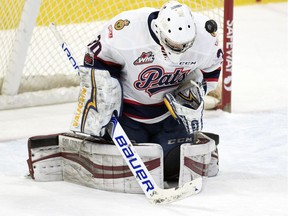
(145, 58)
(187, 63)
(133, 161)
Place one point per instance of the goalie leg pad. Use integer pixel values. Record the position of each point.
(92, 162)
(100, 97)
(195, 159)
(45, 161)
(102, 167)
(213, 168)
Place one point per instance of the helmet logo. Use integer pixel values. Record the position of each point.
(120, 24)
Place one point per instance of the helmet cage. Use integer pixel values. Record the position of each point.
(175, 47)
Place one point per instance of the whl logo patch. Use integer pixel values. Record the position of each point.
(145, 58)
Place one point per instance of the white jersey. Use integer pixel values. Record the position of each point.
(130, 50)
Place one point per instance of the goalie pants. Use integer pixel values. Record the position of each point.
(168, 133)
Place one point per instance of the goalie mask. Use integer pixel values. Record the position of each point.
(175, 29)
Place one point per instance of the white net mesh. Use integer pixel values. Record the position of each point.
(79, 21)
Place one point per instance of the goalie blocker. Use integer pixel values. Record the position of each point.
(97, 163)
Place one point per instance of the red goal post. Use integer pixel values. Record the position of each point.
(225, 103)
(33, 70)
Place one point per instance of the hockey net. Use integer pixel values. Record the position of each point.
(33, 69)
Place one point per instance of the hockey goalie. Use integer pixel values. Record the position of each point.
(150, 69)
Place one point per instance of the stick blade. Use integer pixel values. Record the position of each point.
(165, 196)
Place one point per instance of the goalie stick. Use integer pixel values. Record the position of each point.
(154, 193)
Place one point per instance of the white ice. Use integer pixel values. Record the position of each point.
(253, 146)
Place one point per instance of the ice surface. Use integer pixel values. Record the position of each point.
(253, 141)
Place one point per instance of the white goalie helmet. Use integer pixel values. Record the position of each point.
(175, 28)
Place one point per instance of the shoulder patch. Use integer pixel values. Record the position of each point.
(120, 24)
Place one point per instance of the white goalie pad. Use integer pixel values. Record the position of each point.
(195, 159)
(90, 163)
(97, 163)
(45, 161)
(102, 167)
(100, 96)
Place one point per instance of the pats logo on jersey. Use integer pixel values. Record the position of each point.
(155, 79)
(120, 24)
(145, 58)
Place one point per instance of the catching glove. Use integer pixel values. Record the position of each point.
(186, 105)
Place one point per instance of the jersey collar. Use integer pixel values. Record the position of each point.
(152, 16)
